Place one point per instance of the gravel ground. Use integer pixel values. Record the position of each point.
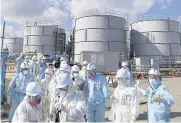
(174, 85)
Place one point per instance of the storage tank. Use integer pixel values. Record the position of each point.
(100, 32)
(14, 44)
(43, 38)
(155, 38)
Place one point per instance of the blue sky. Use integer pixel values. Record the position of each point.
(174, 9)
(15, 13)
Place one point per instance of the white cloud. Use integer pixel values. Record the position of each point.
(133, 7)
(34, 10)
(11, 32)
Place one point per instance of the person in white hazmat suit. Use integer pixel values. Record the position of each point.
(64, 69)
(58, 71)
(67, 106)
(83, 72)
(78, 83)
(46, 96)
(34, 67)
(125, 66)
(125, 100)
(30, 109)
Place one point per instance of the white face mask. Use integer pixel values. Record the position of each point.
(75, 75)
(25, 72)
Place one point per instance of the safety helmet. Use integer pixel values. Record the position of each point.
(124, 64)
(22, 53)
(43, 58)
(63, 62)
(65, 67)
(24, 65)
(54, 62)
(85, 63)
(91, 66)
(62, 59)
(154, 72)
(35, 58)
(63, 81)
(33, 89)
(122, 73)
(49, 71)
(75, 68)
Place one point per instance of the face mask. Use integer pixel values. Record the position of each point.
(34, 101)
(154, 83)
(75, 75)
(25, 72)
(91, 75)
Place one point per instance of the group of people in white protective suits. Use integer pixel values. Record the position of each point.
(68, 94)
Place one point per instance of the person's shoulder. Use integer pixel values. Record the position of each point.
(163, 87)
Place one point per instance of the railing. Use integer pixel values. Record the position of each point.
(101, 12)
(43, 23)
(156, 17)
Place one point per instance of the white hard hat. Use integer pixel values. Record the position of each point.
(85, 63)
(65, 67)
(54, 62)
(43, 58)
(63, 62)
(22, 53)
(91, 66)
(49, 70)
(75, 68)
(35, 58)
(33, 89)
(122, 73)
(154, 72)
(62, 59)
(24, 65)
(124, 63)
(63, 81)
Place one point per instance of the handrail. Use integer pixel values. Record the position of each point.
(43, 23)
(101, 12)
(155, 17)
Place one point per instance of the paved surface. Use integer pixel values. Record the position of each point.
(174, 85)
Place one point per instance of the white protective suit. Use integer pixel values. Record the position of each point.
(125, 100)
(72, 105)
(64, 69)
(34, 67)
(83, 72)
(26, 111)
(46, 95)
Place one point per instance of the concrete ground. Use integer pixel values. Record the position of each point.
(174, 85)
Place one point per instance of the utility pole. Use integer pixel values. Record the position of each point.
(2, 43)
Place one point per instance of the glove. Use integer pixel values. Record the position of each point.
(9, 100)
(157, 99)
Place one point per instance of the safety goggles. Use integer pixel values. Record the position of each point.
(64, 89)
(47, 73)
(90, 72)
(151, 76)
(24, 69)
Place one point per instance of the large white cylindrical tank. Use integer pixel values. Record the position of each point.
(14, 44)
(155, 38)
(100, 33)
(43, 38)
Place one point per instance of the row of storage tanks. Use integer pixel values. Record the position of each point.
(103, 39)
(47, 39)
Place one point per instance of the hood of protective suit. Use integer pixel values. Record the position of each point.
(122, 82)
